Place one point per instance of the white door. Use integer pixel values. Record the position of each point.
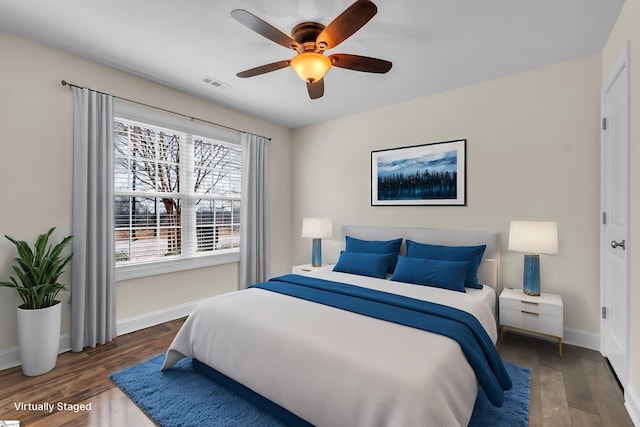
(615, 205)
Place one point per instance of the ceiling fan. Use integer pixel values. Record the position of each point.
(310, 40)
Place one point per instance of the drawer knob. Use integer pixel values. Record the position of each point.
(529, 302)
(529, 312)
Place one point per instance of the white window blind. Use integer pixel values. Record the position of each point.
(177, 197)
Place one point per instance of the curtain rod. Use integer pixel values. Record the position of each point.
(65, 83)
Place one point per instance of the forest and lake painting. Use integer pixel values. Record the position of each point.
(419, 175)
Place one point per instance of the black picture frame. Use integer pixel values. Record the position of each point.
(433, 174)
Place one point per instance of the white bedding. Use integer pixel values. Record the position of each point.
(336, 368)
(486, 294)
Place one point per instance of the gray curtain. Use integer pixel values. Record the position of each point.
(254, 213)
(93, 269)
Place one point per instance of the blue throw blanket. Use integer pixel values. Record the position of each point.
(451, 322)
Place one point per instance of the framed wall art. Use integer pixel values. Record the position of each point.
(420, 175)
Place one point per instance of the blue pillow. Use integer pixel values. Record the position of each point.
(375, 247)
(471, 254)
(363, 264)
(430, 272)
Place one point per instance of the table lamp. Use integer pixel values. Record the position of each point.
(316, 228)
(533, 238)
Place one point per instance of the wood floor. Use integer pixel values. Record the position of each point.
(82, 378)
(577, 390)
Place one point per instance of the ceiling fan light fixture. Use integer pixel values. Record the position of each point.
(311, 66)
(310, 40)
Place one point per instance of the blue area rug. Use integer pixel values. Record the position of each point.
(182, 397)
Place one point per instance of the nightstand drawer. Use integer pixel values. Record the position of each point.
(531, 320)
(531, 306)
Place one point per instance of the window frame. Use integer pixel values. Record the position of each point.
(154, 117)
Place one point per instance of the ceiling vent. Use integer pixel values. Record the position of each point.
(215, 83)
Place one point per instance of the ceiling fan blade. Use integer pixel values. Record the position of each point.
(360, 63)
(263, 69)
(316, 89)
(345, 24)
(264, 29)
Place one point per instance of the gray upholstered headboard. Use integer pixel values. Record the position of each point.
(489, 270)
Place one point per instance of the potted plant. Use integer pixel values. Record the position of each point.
(37, 272)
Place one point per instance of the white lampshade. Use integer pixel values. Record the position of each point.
(316, 228)
(536, 237)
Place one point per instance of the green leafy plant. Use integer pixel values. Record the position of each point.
(38, 271)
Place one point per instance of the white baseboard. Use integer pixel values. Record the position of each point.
(581, 338)
(632, 403)
(153, 318)
(10, 357)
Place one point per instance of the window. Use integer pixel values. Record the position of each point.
(177, 197)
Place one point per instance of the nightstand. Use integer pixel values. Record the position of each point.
(308, 268)
(535, 314)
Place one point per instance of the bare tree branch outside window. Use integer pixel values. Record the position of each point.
(150, 194)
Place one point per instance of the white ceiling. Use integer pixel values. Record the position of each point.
(435, 45)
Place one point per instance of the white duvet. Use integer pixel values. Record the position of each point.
(336, 368)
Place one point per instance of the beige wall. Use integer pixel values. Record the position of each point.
(36, 173)
(627, 29)
(533, 147)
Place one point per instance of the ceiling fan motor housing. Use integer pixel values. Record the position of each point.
(306, 34)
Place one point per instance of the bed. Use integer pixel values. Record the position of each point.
(327, 366)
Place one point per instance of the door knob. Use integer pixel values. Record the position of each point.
(615, 244)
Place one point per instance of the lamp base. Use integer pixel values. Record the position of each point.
(531, 279)
(316, 253)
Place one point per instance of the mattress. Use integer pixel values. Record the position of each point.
(333, 367)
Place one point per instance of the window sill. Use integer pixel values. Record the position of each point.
(134, 271)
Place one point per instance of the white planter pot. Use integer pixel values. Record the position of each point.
(38, 339)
